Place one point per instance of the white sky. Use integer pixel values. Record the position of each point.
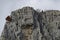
(6, 6)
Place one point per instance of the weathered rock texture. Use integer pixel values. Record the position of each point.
(29, 24)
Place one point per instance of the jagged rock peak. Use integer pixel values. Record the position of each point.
(29, 24)
(24, 8)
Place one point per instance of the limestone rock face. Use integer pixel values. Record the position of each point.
(29, 24)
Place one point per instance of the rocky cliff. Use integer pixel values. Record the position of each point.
(29, 24)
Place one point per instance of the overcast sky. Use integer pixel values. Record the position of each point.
(6, 6)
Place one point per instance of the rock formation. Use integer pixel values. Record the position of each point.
(29, 24)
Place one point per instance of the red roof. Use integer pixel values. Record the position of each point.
(8, 18)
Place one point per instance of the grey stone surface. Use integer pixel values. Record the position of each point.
(29, 24)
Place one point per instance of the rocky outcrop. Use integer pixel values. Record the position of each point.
(29, 24)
